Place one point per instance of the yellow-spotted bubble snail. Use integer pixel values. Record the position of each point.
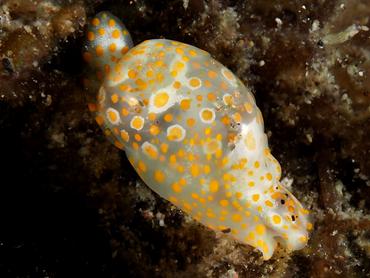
(194, 134)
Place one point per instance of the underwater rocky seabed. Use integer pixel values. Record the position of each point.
(71, 204)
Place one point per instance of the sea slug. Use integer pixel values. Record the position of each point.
(194, 134)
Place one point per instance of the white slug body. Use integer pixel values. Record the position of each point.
(194, 134)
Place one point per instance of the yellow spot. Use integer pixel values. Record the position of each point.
(161, 99)
(256, 164)
(248, 107)
(176, 187)
(255, 197)
(196, 65)
(250, 142)
(90, 36)
(151, 116)
(207, 115)
(87, 57)
(192, 53)
(213, 186)
(237, 117)
(194, 170)
(114, 98)
(142, 166)
(173, 73)
(251, 236)
(123, 87)
(150, 150)
(226, 176)
(269, 176)
(115, 34)
(135, 145)
(159, 176)
(303, 239)
(125, 112)
(305, 211)
(195, 196)
(260, 229)
(207, 169)
(269, 203)
(212, 147)
(141, 84)
(172, 159)
(228, 99)
(111, 22)
(182, 181)
(132, 74)
(95, 21)
(168, 118)
(211, 97)
(159, 63)
(190, 122)
(309, 226)
(112, 47)
(124, 49)
(160, 77)
(179, 65)
(187, 207)
(154, 130)
(106, 68)
(194, 82)
(185, 104)
(164, 148)
(236, 218)
(99, 120)
(124, 135)
(199, 98)
(99, 50)
(212, 74)
(207, 84)
(112, 115)
(101, 31)
(228, 75)
(173, 200)
(208, 131)
(225, 120)
(92, 107)
(118, 145)
(177, 85)
(179, 50)
(149, 73)
(276, 219)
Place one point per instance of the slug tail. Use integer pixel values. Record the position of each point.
(107, 40)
